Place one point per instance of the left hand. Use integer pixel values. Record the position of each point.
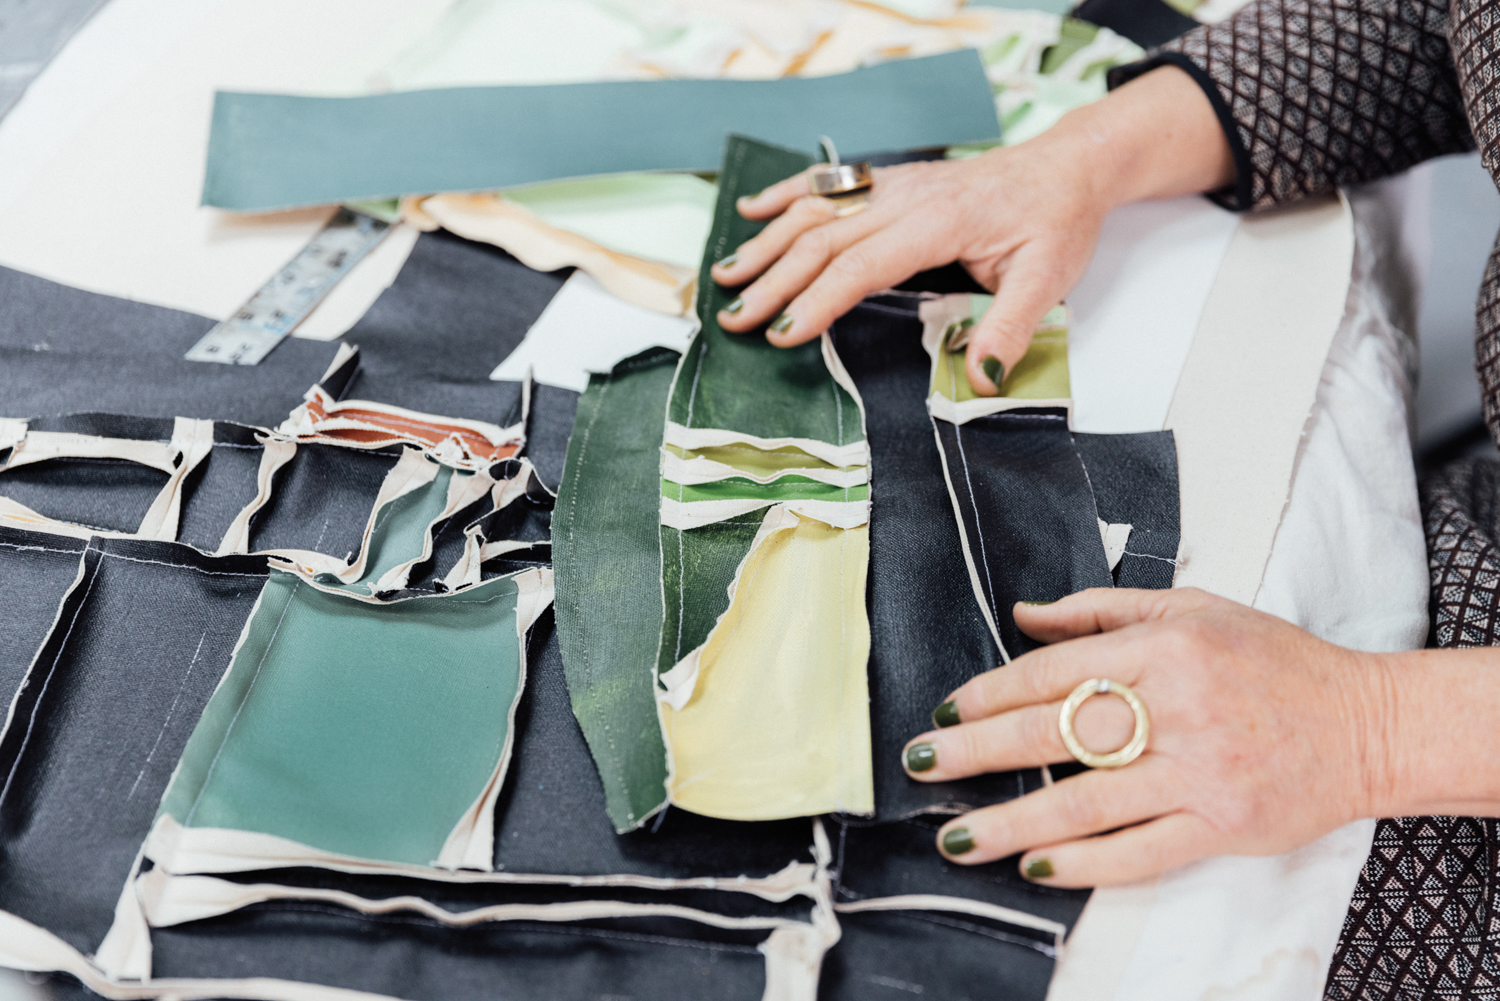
(1263, 738)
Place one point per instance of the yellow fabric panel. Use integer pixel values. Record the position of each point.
(779, 721)
(1041, 374)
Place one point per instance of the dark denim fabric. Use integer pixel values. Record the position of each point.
(138, 646)
(63, 350)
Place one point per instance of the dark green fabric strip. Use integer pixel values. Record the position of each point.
(607, 560)
(739, 382)
(269, 151)
(698, 566)
(784, 489)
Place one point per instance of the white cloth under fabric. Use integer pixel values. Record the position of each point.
(1348, 564)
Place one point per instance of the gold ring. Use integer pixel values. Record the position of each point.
(846, 185)
(1114, 759)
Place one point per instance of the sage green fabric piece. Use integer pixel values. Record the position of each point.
(272, 151)
(698, 566)
(739, 382)
(400, 531)
(784, 489)
(607, 560)
(358, 729)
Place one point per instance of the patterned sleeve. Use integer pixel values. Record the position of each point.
(1313, 94)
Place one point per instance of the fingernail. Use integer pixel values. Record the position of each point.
(783, 323)
(946, 714)
(751, 198)
(1033, 604)
(1038, 868)
(993, 369)
(730, 261)
(957, 841)
(735, 306)
(921, 757)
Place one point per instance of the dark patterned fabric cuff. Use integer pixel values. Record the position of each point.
(1237, 197)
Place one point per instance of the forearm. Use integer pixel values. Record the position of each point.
(1432, 745)
(1155, 137)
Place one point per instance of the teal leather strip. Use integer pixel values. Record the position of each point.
(739, 382)
(607, 562)
(359, 729)
(272, 151)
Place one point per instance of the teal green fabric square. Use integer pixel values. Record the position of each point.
(356, 728)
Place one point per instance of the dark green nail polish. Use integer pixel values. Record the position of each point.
(1039, 868)
(1037, 604)
(783, 323)
(735, 306)
(946, 714)
(921, 757)
(993, 369)
(957, 841)
(730, 261)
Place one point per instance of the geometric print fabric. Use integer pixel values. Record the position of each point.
(1423, 922)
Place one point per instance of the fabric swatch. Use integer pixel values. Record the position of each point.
(270, 151)
(608, 563)
(405, 707)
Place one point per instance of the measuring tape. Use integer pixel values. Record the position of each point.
(292, 293)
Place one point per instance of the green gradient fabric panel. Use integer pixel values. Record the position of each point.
(739, 382)
(271, 151)
(607, 559)
(785, 488)
(365, 730)
(697, 568)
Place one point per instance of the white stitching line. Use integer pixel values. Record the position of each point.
(1148, 556)
(179, 566)
(42, 549)
(164, 723)
(42, 695)
(214, 764)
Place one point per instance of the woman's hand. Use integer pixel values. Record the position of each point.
(1023, 220)
(1263, 738)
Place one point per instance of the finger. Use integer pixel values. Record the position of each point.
(1127, 856)
(762, 250)
(1102, 609)
(1000, 339)
(1047, 675)
(886, 257)
(1073, 808)
(1024, 738)
(800, 265)
(774, 200)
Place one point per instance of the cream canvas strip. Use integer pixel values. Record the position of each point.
(1244, 397)
(958, 905)
(193, 441)
(17, 515)
(702, 470)
(1248, 386)
(696, 514)
(277, 452)
(171, 900)
(945, 409)
(11, 432)
(39, 446)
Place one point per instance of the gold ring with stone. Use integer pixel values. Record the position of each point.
(846, 185)
(1114, 759)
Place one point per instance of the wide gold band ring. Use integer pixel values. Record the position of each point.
(845, 185)
(1114, 759)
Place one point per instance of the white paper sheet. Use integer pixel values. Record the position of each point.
(585, 329)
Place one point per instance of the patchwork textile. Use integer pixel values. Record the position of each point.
(270, 151)
(765, 545)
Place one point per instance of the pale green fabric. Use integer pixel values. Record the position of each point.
(354, 728)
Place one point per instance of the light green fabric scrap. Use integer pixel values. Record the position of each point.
(357, 729)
